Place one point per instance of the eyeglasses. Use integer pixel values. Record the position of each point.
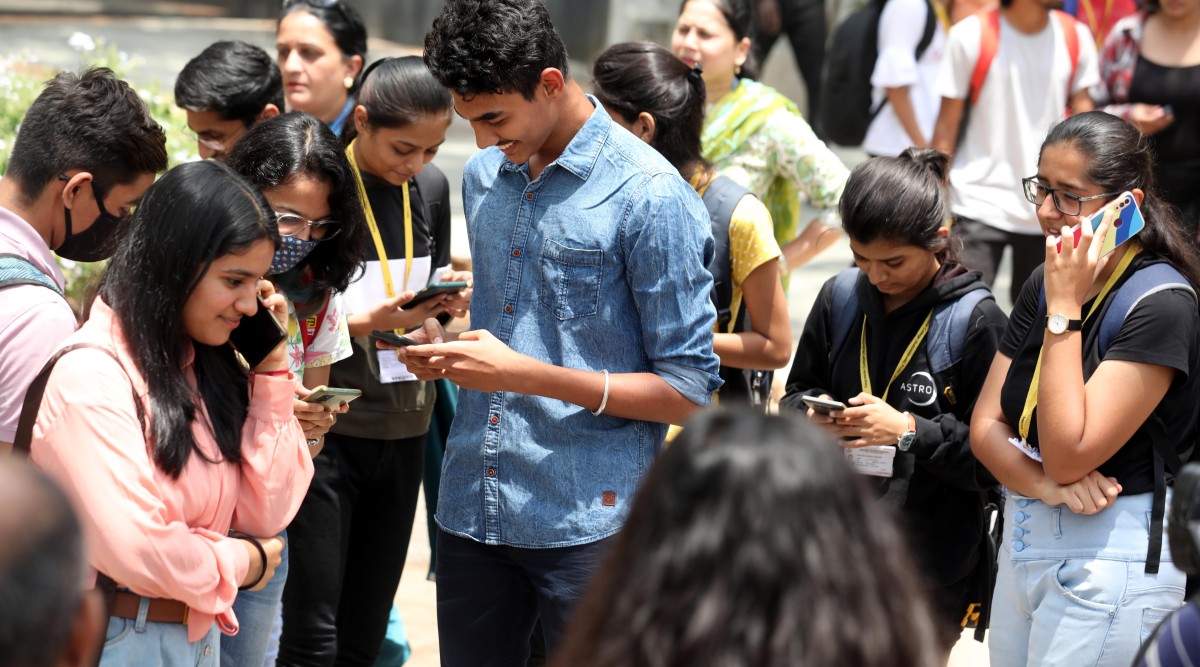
(291, 224)
(1067, 203)
(210, 144)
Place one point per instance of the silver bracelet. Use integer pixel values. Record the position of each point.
(604, 399)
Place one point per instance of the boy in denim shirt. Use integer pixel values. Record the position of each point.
(593, 331)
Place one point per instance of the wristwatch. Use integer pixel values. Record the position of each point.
(906, 439)
(1059, 324)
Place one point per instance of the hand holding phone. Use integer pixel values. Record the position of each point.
(393, 339)
(332, 397)
(1125, 224)
(257, 335)
(436, 289)
(822, 406)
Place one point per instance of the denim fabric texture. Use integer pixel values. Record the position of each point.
(129, 641)
(259, 614)
(1072, 590)
(597, 264)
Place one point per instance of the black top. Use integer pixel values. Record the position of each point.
(1177, 146)
(936, 486)
(1161, 330)
(402, 409)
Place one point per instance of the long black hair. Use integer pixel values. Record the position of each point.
(197, 212)
(398, 92)
(901, 199)
(633, 77)
(293, 145)
(1119, 159)
(342, 21)
(751, 542)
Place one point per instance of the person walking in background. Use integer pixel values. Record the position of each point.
(1102, 15)
(1089, 404)
(880, 340)
(351, 535)
(752, 543)
(592, 331)
(905, 76)
(804, 23)
(1038, 64)
(1150, 76)
(87, 150)
(159, 434)
(650, 92)
(756, 136)
(224, 91)
(321, 47)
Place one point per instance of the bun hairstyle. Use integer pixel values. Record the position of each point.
(900, 199)
(1119, 159)
(633, 77)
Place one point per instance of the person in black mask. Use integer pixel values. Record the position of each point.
(87, 150)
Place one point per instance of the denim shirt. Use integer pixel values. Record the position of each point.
(597, 264)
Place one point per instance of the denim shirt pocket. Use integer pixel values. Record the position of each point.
(570, 280)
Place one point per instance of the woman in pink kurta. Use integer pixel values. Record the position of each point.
(214, 448)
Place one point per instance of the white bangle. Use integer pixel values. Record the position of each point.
(604, 399)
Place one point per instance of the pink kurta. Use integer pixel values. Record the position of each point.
(158, 536)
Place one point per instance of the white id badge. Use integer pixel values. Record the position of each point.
(876, 461)
(390, 368)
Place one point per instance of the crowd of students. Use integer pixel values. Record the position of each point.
(629, 251)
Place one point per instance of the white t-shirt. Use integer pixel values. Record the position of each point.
(1023, 96)
(901, 26)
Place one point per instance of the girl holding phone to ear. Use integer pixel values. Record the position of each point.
(162, 438)
(1062, 422)
(869, 342)
(350, 538)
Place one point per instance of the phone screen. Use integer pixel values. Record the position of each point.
(257, 335)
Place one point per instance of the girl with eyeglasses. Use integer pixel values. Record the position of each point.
(350, 538)
(1087, 408)
(321, 46)
(162, 437)
(298, 165)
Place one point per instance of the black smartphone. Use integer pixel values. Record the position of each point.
(257, 335)
(822, 406)
(435, 290)
(393, 338)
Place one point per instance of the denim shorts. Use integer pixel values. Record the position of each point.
(140, 642)
(1073, 590)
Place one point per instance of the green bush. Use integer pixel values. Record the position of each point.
(21, 80)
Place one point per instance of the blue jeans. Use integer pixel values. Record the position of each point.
(1072, 589)
(139, 642)
(489, 597)
(260, 615)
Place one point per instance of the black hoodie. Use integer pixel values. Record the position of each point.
(937, 485)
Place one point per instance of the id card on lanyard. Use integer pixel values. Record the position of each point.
(390, 368)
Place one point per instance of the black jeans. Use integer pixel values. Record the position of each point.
(804, 23)
(347, 547)
(489, 598)
(982, 246)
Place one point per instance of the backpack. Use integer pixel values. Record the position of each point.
(16, 270)
(947, 328)
(847, 106)
(741, 384)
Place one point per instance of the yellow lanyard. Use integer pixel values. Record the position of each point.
(864, 371)
(1031, 396)
(1093, 23)
(374, 227)
(942, 16)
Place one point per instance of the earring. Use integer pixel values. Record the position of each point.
(348, 82)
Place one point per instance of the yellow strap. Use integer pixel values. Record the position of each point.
(1093, 23)
(864, 372)
(942, 16)
(374, 227)
(1031, 396)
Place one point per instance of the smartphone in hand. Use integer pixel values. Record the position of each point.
(822, 406)
(1127, 223)
(436, 289)
(332, 397)
(393, 338)
(257, 335)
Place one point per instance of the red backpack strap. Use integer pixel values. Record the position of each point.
(1071, 35)
(989, 41)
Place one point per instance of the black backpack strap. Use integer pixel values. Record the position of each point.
(931, 21)
(843, 307)
(16, 270)
(721, 197)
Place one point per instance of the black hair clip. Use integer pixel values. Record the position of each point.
(696, 71)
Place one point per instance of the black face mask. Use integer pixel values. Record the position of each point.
(95, 243)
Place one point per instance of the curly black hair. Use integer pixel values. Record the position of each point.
(493, 47)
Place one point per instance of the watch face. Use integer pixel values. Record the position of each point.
(1056, 324)
(906, 441)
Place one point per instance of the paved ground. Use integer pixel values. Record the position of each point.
(166, 44)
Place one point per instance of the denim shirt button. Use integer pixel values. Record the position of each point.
(508, 308)
(1023, 503)
(1021, 516)
(1018, 546)
(494, 419)
(516, 252)
(491, 472)
(1019, 532)
(528, 196)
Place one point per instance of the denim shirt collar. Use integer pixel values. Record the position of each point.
(582, 152)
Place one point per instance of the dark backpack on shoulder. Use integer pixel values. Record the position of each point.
(746, 386)
(847, 108)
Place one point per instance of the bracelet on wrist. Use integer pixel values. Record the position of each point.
(262, 571)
